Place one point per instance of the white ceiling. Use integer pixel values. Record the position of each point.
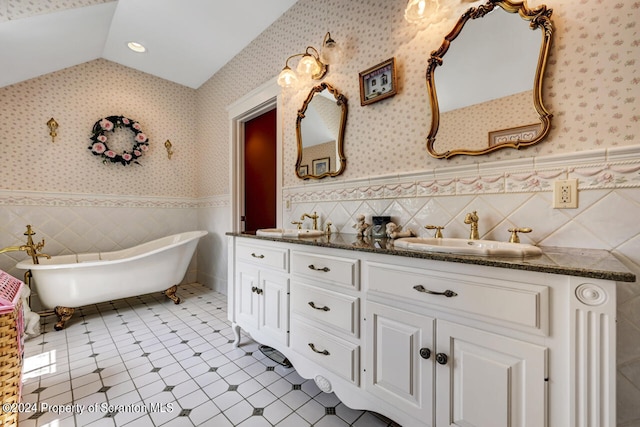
(187, 40)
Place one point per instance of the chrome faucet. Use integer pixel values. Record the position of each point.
(314, 217)
(472, 219)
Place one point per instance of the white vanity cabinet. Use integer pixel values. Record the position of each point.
(432, 342)
(442, 371)
(261, 291)
(325, 311)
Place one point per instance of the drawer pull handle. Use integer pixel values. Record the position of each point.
(253, 254)
(446, 293)
(313, 347)
(325, 308)
(441, 358)
(425, 353)
(313, 267)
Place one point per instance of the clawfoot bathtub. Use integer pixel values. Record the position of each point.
(68, 281)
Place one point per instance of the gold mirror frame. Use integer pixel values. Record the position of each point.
(341, 102)
(537, 18)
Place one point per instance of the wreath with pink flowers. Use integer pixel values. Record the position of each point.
(99, 140)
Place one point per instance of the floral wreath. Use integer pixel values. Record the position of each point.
(99, 145)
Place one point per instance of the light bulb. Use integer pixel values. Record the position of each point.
(330, 52)
(308, 66)
(418, 11)
(287, 77)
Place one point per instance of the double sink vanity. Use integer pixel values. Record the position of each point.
(441, 331)
(431, 337)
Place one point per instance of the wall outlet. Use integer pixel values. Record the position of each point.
(565, 194)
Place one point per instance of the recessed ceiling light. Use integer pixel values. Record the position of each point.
(136, 47)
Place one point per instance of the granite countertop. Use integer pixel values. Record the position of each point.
(592, 263)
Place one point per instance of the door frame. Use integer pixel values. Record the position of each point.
(255, 103)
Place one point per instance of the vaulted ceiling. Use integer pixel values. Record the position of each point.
(187, 41)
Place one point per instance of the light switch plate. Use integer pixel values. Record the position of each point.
(565, 194)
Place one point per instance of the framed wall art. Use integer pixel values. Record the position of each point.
(320, 166)
(378, 82)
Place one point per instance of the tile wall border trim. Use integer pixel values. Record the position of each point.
(616, 167)
(51, 199)
(40, 198)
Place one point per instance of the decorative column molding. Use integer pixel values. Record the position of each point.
(593, 353)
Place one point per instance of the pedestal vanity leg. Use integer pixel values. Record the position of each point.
(236, 334)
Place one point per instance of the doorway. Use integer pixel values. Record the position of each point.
(259, 101)
(260, 172)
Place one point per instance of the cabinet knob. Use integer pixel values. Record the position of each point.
(425, 353)
(254, 289)
(442, 358)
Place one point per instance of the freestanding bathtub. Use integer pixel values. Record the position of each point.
(66, 282)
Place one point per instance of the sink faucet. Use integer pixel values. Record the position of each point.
(314, 217)
(472, 218)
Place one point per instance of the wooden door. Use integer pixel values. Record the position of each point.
(260, 172)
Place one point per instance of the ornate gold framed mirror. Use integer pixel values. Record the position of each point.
(320, 132)
(489, 81)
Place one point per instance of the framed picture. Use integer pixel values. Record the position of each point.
(378, 82)
(514, 135)
(320, 166)
(304, 170)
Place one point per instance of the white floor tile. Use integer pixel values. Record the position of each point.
(176, 360)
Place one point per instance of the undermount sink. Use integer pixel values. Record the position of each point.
(288, 232)
(467, 247)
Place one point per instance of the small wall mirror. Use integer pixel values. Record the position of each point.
(489, 81)
(320, 130)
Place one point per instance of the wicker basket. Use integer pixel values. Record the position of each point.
(11, 341)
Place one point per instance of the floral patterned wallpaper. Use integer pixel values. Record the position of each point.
(77, 98)
(592, 82)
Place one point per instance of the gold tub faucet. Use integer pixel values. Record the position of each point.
(314, 217)
(30, 247)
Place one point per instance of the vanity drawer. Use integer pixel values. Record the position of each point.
(335, 270)
(335, 354)
(265, 256)
(518, 305)
(336, 309)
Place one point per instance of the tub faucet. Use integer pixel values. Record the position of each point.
(472, 219)
(314, 217)
(30, 247)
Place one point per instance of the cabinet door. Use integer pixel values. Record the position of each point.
(400, 368)
(488, 380)
(247, 299)
(274, 305)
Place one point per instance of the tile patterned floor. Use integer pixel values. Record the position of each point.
(145, 361)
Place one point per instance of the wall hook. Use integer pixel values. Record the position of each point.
(53, 126)
(168, 146)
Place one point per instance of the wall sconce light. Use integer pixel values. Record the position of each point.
(312, 63)
(418, 11)
(53, 125)
(168, 146)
